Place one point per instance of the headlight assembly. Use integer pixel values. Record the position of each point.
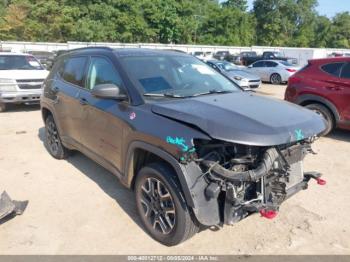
(238, 78)
(7, 84)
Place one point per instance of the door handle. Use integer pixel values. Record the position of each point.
(334, 88)
(83, 101)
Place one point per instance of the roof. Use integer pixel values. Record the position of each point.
(331, 59)
(122, 52)
(146, 52)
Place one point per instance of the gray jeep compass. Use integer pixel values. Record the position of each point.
(196, 149)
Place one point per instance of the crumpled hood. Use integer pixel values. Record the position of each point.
(244, 118)
(242, 74)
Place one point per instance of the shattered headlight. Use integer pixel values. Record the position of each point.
(7, 84)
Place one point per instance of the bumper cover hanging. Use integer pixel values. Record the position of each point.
(9, 207)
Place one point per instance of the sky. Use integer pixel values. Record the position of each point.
(326, 7)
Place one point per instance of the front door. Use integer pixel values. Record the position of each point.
(103, 130)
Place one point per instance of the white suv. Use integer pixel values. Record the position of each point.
(21, 79)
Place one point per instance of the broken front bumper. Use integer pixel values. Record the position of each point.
(10, 207)
(233, 213)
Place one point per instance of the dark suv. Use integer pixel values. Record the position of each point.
(324, 87)
(197, 150)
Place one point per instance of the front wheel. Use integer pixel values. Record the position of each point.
(161, 205)
(276, 79)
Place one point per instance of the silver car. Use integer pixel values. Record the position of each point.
(273, 71)
(237, 74)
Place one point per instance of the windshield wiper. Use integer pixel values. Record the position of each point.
(163, 95)
(213, 92)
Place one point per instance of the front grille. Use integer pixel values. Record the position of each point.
(254, 81)
(27, 86)
(254, 86)
(29, 80)
(30, 83)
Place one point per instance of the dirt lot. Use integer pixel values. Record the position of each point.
(77, 207)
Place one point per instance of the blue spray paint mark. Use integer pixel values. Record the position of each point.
(179, 141)
(299, 134)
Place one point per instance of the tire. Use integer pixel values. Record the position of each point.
(275, 79)
(326, 114)
(3, 107)
(53, 141)
(164, 203)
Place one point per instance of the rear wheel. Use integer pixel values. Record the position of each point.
(161, 205)
(53, 141)
(276, 79)
(326, 114)
(3, 107)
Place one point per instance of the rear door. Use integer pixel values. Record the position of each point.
(344, 94)
(258, 69)
(66, 88)
(103, 128)
(270, 68)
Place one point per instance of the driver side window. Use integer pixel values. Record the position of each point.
(102, 71)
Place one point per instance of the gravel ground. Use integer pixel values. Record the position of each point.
(77, 207)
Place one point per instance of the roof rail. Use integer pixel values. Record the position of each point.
(91, 47)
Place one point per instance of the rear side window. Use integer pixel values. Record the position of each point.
(346, 71)
(333, 68)
(74, 69)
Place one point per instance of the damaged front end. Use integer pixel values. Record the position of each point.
(242, 180)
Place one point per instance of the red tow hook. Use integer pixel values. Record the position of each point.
(321, 182)
(269, 214)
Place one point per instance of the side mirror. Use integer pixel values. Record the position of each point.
(109, 91)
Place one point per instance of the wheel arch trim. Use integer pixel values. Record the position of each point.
(321, 100)
(178, 168)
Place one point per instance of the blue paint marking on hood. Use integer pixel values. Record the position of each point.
(244, 118)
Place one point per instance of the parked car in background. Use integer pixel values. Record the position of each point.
(223, 55)
(324, 87)
(203, 55)
(268, 55)
(273, 71)
(196, 149)
(21, 78)
(241, 77)
(238, 59)
(45, 58)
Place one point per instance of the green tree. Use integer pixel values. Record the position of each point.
(340, 31)
(240, 4)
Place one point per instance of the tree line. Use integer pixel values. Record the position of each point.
(294, 23)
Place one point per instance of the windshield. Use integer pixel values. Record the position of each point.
(18, 62)
(227, 66)
(177, 76)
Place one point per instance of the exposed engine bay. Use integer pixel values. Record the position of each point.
(248, 179)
